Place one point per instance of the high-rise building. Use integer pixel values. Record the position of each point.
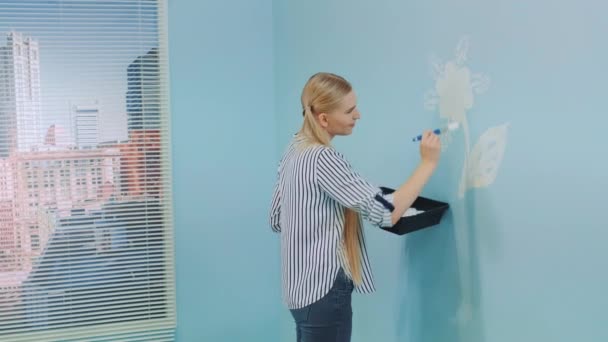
(20, 113)
(141, 162)
(86, 125)
(56, 136)
(143, 92)
(37, 187)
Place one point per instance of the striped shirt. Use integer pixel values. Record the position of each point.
(314, 184)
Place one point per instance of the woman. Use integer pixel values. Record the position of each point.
(316, 205)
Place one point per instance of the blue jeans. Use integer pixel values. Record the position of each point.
(330, 318)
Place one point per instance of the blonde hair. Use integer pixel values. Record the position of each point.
(322, 94)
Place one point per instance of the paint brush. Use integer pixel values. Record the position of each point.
(452, 126)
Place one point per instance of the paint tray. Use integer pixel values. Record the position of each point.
(432, 213)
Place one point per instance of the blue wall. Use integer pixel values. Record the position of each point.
(525, 256)
(224, 164)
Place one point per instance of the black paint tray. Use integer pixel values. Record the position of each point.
(433, 212)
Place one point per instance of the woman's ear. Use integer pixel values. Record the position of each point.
(323, 120)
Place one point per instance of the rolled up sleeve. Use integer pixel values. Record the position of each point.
(336, 177)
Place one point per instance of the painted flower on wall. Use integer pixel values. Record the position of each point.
(453, 87)
(453, 96)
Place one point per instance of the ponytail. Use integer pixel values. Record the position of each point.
(322, 93)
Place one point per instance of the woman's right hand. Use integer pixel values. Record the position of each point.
(406, 194)
(430, 148)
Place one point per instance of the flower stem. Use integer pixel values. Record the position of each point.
(467, 146)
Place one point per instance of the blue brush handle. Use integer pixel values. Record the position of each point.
(418, 138)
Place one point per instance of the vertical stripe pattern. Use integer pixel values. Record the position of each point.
(314, 184)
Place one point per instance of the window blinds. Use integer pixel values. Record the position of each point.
(86, 250)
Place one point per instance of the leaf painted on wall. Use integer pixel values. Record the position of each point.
(485, 158)
(437, 67)
(480, 83)
(462, 50)
(431, 100)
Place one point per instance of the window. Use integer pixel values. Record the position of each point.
(35, 241)
(86, 250)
